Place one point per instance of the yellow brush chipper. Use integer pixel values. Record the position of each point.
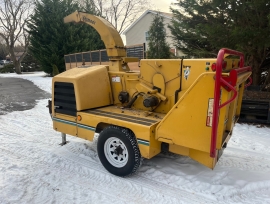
(184, 106)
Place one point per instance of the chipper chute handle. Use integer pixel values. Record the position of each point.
(219, 81)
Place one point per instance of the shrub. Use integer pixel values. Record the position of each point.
(8, 68)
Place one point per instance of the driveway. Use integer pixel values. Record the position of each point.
(19, 94)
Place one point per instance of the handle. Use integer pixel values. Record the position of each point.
(231, 88)
(218, 80)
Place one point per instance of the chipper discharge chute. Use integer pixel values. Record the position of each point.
(185, 106)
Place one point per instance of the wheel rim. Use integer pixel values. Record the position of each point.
(116, 152)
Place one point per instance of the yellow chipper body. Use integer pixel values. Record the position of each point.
(185, 106)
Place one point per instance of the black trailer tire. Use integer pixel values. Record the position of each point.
(118, 151)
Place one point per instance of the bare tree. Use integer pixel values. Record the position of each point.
(120, 13)
(3, 48)
(13, 18)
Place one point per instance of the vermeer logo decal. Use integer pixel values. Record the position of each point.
(89, 20)
(186, 73)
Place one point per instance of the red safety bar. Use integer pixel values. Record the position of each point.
(229, 84)
(249, 83)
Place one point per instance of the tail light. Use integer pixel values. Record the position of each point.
(214, 66)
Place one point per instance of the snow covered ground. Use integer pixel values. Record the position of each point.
(35, 169)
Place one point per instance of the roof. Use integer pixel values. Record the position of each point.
(163, 14)
(17, 54)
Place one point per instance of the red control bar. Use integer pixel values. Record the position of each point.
(219, 81)
(249, 83)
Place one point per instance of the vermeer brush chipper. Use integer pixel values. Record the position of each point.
(185, 106)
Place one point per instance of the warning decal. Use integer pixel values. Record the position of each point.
(115, 79)
(209, 119)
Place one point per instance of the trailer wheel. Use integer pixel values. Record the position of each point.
(118, 151)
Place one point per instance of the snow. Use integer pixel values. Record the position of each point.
(35, 169)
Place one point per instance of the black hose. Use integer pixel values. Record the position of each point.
(130, 103)
(178, 90)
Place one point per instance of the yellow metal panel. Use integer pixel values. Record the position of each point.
(196, 68)
(110, 36)
(223, 117)
(92, 86)
(158, 81)
(65, 128)
(151, 149)
(116, 65)
(134, 66)
(130, 59)
(85, 133)
(179, 149)
(240, 97)
(65, 124)
(117, 85)
(165, 106)
(243, 77)
(169, 69)
(203, 158)
(185, 124)
(232, 113)
(104, 63)
(65, 117)
(131, 79)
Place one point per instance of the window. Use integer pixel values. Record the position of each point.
(146, 36)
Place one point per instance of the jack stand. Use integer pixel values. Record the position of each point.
(64, 139)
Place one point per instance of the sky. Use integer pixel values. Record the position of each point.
(162, 5)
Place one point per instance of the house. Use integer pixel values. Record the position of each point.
(137, 32)
(17, 54)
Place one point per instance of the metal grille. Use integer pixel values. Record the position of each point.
(104, 56)
(72, 58)
(67, 59)
(101, 55)
(86, 57)
(79, 57)
(64, 98)
(95, 56)
(136, 51)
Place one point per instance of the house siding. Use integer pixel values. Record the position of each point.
(136, 34)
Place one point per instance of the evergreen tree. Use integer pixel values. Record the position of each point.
(158, 47)
(51, 38)
(55, 70)
(200, 28)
